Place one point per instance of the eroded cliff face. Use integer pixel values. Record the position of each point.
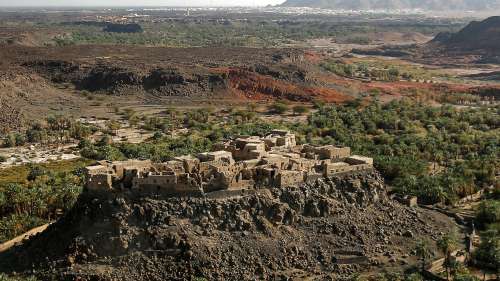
(330, 228)
(278, 74)
(116, 80)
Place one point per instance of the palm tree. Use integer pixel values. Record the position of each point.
(423, 252)
(446, 245)
(59, 124)
(113, 126)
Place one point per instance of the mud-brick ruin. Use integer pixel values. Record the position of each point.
(244, 163)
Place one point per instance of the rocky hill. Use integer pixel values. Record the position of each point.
(478, 42)
(477, 35)
(431, 5)
(327, 229)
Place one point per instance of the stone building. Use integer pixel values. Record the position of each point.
(247, 162)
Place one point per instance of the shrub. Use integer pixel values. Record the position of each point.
(318, 104)
(9, 140)
(35, 172)
(300, 109)
(157, 135)
(465, 277)
(15, 225)
(488, 213)
(245, 115)
(488, 253)
(279, 108)
(20, 139)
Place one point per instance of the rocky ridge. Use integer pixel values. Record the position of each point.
(478, 42)
(476, 36)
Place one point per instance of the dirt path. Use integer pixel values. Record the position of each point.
(9, 244)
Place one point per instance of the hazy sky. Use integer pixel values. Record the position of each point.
(138, 2)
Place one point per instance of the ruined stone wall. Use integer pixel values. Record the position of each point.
(289, 178)
(166, 184)
(242, 184)
(276, 160)
(333, 168)
(335, 152)
(174, 165)
(358, 160)
(100, 182)
(119, 167)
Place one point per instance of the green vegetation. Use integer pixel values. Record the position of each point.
(381, 70)
(279, 108)
(54, 129)
(447, 244)
(205, 129)
(251, 33)
(488, 253)
(439, 154)
(340, 68)
(32, 195)
(158, 150)
(4, 277)
(300, 109)
(488, 213)
(488, 218)
(20, 174)
(423, 252)
(361, 40)
(458, 98)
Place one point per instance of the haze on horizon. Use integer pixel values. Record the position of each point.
(61, 3)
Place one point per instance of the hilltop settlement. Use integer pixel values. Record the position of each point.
(243, 163)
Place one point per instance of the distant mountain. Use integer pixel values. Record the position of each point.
(478, 42)
(431, 5)
(476, 36)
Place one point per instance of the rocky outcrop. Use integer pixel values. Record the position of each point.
(476, 36)
(273, 233)
(10, 117)
(478, 40)
(109, 79)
